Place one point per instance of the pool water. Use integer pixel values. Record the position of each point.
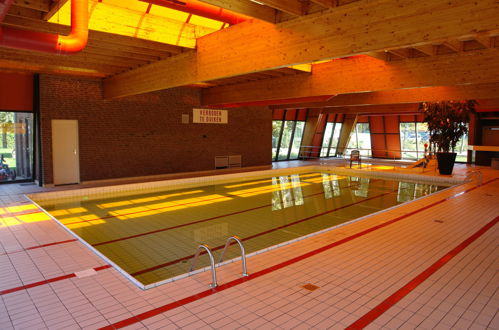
(154, 235)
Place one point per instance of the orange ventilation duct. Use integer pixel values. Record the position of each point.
(47, 42)
(200, 9)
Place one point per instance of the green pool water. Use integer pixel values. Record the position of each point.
(153, 235)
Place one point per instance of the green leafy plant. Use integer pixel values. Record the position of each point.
(447, 122)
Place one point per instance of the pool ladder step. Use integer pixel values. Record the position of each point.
(205, 247)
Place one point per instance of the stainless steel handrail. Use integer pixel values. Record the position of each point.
(243, 254)
(478, 174)
(212, 262)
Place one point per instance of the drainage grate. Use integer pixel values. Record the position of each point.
(310, 287)
(439, 221)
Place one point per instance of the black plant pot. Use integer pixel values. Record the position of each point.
(446, 162)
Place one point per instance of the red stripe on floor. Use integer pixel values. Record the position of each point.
(39, 246)
(140, 317)
(376, 312)
(169, 263)
(50, 280)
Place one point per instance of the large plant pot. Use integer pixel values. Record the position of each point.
(446, 162)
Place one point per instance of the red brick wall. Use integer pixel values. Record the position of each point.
(143, 135)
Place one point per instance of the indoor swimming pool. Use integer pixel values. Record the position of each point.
(153, 235)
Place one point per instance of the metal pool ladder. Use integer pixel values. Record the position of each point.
(243, 254)
(212, 263)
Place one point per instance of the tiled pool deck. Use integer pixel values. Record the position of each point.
(432, 264)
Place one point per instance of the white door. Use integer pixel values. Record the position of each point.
(65, 153)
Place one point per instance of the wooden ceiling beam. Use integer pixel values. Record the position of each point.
(40, 5)
(107, 38)
(397, 108)
(454, 45)
(89, 62)
(54, 8)
(429, 50)
(293, 7)
(364, 74)
(120, 54)
(247, 8)
(383, 56)
(485, 41)
(69, 62)
(25, 12)
(401, 52)
(12, 65)
(376, 109)
(413, 95)
(325, 3)
(328, 34)
(106, 17)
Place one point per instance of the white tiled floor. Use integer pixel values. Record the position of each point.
(353, 277)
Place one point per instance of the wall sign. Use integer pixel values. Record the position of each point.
(209, 116)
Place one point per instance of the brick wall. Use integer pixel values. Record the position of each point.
(143, 134)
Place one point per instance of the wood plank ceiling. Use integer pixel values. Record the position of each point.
(229, 63)
(107, 53)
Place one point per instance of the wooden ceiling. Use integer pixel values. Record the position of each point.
(404, 45)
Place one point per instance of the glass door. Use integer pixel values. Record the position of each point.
(16, 146)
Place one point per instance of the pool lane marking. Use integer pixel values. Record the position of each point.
(170, 206)
(39, 246)
(176, 205)
(166, 264)
(191, 223)
(386, 304)
(178, 303)
(199, 221)
(50, 280)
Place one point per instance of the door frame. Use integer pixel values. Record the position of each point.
(77, 151)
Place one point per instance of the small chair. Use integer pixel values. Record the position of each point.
(355, 157)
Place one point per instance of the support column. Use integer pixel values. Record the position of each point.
(346, 130)
(313, 133)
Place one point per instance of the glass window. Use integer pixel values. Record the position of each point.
(462, 149)
(360, 139)
(422, 138)
(287, 131)
(295, 147)
(413, 137)
(408, 141)
(327, 138)
(16, 146)
(287, 136)
(363, 138)
(276, 133)
(336, 139)
(331, 139)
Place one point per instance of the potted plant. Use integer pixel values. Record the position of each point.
(446, 125)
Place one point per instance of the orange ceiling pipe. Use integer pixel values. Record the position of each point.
(200, 9)
(48, 42)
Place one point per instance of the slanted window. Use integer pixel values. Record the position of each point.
(287, 133)
(360, 139)
(331, 135)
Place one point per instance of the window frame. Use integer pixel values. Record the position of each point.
(291, 141)
(330, 144)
